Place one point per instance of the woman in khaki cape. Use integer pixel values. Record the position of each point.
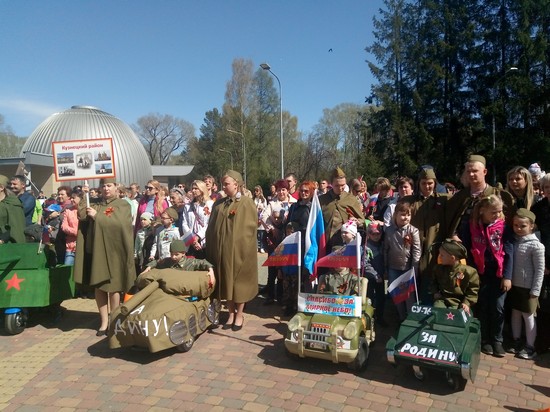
(231, 248)
(105, 249)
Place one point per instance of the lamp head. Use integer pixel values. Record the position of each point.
(265, 66)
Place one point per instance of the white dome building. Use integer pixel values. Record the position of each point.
(86, 123)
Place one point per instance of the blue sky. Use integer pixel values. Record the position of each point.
(131, 58)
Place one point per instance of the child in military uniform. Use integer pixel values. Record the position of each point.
(455, 285)
(178, 260)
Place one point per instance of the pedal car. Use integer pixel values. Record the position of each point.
(27, 281)
(333, 327)
(442, 339)
(172, 308)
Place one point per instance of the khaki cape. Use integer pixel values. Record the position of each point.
(231, 248)
(105, 247)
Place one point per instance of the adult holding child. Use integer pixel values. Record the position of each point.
(231, 248)
(105, 249)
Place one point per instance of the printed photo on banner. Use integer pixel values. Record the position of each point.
(83, 159)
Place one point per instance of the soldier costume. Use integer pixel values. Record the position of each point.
(455, 284)
(185, 263)
(339, 281)
(337, 210)
(105, 246)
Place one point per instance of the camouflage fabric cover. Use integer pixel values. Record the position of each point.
(178, 282)
(147, 318)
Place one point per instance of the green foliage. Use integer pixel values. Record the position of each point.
(443, 74)
(10, 144)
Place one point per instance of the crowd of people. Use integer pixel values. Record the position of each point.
(484, 249)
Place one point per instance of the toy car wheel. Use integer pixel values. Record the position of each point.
(15, 322)
(418, 373)
(457, 382)
(360, 360)
(186, 346)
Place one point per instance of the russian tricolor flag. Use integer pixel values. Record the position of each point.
(189, 238)
(287, 253)
(402, 287)
(343, 257)
(316, 242)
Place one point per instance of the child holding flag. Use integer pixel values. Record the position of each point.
(341, 280)
(454, 285)
(402, 256)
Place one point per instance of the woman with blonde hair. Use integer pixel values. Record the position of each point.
(151, 202)
(201, 209)
(231, 244)
(519, 183)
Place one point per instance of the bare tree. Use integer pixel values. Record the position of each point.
(163, 135)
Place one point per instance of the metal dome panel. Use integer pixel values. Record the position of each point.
(85, 123)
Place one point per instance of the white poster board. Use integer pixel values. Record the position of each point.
(83, 159)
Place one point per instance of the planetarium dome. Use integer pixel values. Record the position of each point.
(86, 123)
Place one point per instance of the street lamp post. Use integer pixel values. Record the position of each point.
(230, 155)
(244, 152)
(267, 67)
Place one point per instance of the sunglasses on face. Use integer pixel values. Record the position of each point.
(149, 187)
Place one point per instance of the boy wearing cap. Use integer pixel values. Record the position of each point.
(141, 253)
(165, 234)
(454, 285)
(178, 260)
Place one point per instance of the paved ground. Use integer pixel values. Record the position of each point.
(65, 367)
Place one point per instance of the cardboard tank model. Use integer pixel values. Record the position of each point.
(442, 339)
(333, 326)
(30, 278)
(171, 309)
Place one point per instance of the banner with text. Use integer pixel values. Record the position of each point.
(83, 159)
(340, 305)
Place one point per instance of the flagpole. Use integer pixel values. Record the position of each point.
(299, 261)
(415, 286)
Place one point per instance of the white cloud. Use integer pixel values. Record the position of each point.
(29, 107)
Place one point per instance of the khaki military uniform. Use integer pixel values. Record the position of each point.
(341, 283)
(184, 263)
(337, 210)
(457, 285)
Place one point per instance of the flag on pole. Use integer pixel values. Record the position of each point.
(402, 287)
(315, 236)
(287, 253)
(189, 238)
(343, 257)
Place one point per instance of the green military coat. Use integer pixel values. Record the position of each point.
(231, 248)
(428, 216)
(457, 284)
(337, 210)
(105, 247)
(12, 220)
(462, 200)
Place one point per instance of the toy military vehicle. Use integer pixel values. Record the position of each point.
(172, 309)
(30, 279)
(333, 327)
(442, 339)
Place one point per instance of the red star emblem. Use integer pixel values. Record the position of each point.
(14, 282)
(450, 316)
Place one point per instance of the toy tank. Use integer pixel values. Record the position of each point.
(30, 279)
(442, 339)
